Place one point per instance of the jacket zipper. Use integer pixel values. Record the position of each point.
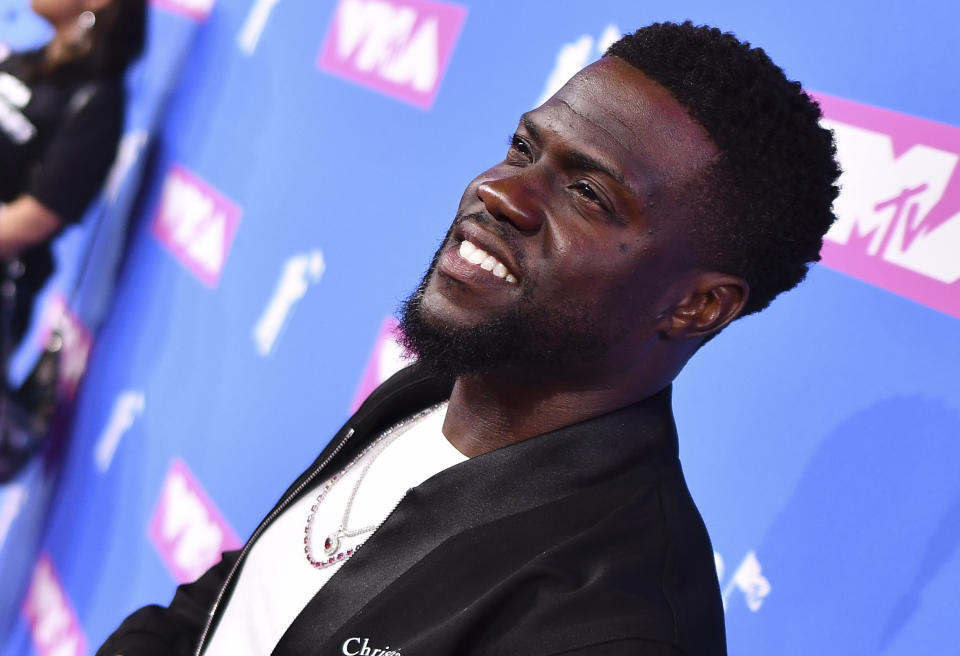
(256, 534)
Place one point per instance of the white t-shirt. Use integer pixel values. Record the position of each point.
(277, 580)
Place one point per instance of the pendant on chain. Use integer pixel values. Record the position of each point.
(332, 543)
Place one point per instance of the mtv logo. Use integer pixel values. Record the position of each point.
(398, 47)
(54, 628)
(898, 214)
(76, 342)
(186, 528)
(196, 223)
(197, 10)
(387, 358)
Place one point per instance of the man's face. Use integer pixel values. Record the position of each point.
(562, 255)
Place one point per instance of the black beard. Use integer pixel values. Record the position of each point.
(527, 339)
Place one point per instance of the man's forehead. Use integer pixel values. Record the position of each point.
(616, 109)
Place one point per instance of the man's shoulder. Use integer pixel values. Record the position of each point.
(645, 571)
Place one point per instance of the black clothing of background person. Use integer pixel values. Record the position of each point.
(58, 137)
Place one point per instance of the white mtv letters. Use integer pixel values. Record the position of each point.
(380, 37)
(298, 272)
(575, 55)
(886, 199)
(187, 523)
(126, 408)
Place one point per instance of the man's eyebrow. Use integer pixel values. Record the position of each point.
(530, 127)
(584, 162)
(576, 158)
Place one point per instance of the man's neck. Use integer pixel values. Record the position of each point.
(489, 411)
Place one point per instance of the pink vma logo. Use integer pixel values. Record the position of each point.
(197, 223)
(186, 528)
(398, 47)
(387, 358)
(77, 342)
(195, 9)
(898, 216)
(54, 627)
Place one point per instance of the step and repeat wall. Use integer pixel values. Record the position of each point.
(287, 174)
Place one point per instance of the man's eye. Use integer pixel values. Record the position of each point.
(588, 192)
(517, 143)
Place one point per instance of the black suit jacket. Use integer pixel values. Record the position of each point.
(580, 541)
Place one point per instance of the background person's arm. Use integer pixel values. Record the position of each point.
(71, 171)
(24, 223)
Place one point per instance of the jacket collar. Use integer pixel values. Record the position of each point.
(576, 458)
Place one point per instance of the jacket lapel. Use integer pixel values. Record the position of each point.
(478, 491)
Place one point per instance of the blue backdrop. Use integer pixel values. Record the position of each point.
(290, 193)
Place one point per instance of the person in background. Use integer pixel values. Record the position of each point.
(61, 117)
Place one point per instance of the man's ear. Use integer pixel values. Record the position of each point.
(711, 302)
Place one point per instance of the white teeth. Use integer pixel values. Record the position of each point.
(475, 255)
(466, 248)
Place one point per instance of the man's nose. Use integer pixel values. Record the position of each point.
(511, 199)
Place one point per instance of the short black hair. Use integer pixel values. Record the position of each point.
(762, 206)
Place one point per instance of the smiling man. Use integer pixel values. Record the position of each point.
(517, 491)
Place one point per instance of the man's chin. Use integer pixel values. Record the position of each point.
(449, 342)
(453, 338)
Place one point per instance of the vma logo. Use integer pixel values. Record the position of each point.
(197, 223)
(898, 223)
(186, 528)
(399, 48)
(197, 10)
(54, 627)
(387, 358)
(76, 342)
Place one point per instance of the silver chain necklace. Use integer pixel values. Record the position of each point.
(331, 544)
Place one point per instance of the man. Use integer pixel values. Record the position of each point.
(678, 183)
